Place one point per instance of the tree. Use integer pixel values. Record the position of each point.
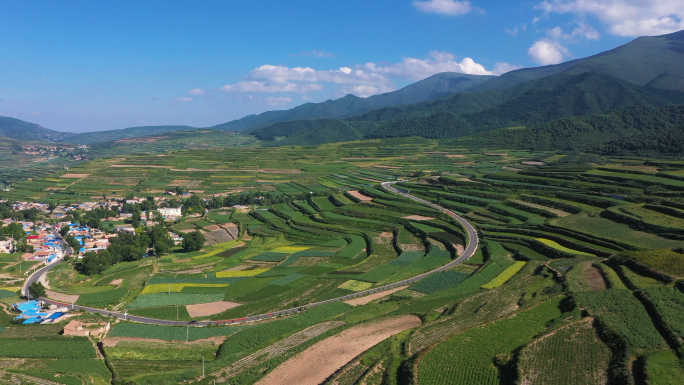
(64, 230)
(93, 263)
(73, 242)
(193, 241)
(37, 290)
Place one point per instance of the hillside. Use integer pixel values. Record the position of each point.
(631, 130)
(131, 132)
(654, 61)
(434, 86)
(21, 130)
(535, 102)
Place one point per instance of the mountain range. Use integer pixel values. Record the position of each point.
(647, 72)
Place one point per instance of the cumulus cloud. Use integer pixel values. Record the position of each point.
(625, 17)
(183, 100)
(417, 69)
(362, 79)
(444, 7)
(196, 91)
(256, 86)
(365, 91)
(546, 51)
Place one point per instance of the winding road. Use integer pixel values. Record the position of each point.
(470, 249)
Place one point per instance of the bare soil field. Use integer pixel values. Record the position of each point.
(532, 163)
(211, 308)
(418, 218)
(595, 278)
(315, 364)
(274, 350)
(560, 213)
(68, 298)
(455, 156)
(74, 176)
(117, 282)
(113, 341)
(370, 298)
(359, 196)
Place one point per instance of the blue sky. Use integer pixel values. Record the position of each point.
(95, 65)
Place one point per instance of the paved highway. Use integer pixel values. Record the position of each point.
(470, 249)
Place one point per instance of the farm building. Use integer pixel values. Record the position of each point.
(77, 328)
(33, 312)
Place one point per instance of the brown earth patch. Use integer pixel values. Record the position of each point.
(68, 298)
(359, 196)
(74, 176)
(373, 297)
(595, 278)
(212, 227)
(418, 218)
(411, 247)
(455, 156)
(117, 282)
(186, 231)
(532, 163)
(211, 308)
(320, 361)
(229, 225)
(182, 260)
(138, 165)
(560, 213)
(142, 140)
(113, 341)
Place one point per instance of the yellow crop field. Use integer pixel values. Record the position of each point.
(504, 276)
(354, 285)
(177, 287)
(289, 249)
(556, 246)
(239, 273)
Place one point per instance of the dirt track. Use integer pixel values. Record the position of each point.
(315, 364)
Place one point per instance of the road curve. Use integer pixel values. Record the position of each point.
(470, 249)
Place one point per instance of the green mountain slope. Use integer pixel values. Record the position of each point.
(654, 61)
(434, 86)
(21, 130)
(631, 130)
(131, 132)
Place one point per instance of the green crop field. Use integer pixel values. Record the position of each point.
(467, 358)
(302, 237)
(572, 355)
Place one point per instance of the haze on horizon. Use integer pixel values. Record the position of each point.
(78, 66)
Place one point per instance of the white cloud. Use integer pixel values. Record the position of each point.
(184, 100)
(196, 91)
(277, 101)
(418, 69)
(366, 91)
(625, 17)
(502, 68)
(444, 7)
(546, 51)
(256, 86)
(362, 79)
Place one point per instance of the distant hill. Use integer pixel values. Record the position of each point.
(434, 86)
(131, 132)
(647, 72)
(21, 130)
(535, 102)
(653, 61)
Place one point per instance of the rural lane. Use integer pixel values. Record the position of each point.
(470, 249)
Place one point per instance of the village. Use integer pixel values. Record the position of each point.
(45, 241)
